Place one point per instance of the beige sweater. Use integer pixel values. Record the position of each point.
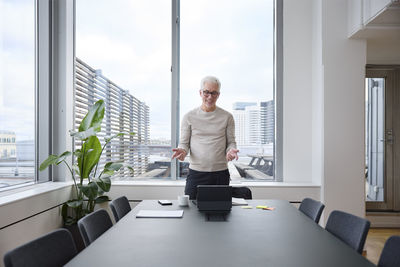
(208, 136)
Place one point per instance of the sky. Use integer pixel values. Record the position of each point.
(130, 41)
(17, 68)
(232, 40)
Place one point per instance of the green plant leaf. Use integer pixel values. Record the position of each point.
(101, 199)
(77, 153)
(64, 211)
(100, 192)
(52, 159)
(76, 169)
(69, 221)
(85, 134)
(90, 190)
(131, 170)
(90, 158)
(108, 139)
(75, 203)
(115, 166)
(109, 172)
(63, 156)
(104, 182)
(93, 118)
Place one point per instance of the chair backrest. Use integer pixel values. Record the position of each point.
(312, 209)
(241, 192)
(53, 249)
(349, 228)
(120, 207)
(390, 256)
(94, 225)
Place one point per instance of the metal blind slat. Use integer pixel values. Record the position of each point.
(123, 112)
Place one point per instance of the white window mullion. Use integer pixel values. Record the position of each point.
(43, 136)
(63, 55)
(278, 89)
(175, 85)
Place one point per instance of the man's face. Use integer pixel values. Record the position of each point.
(209, 95)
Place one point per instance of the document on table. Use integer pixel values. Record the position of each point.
(239, 201)
(159, 214)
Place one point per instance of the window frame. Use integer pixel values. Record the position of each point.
(43, 89)
(175, 82)
(278, 87)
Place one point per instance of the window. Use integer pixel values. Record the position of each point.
(25, 87)
(17, 92)
(125, 58)
(236, 45)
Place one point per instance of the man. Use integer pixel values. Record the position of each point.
(208, 132)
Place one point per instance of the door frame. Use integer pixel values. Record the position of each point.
(388, 73)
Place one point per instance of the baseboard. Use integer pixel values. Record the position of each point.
(384, 219)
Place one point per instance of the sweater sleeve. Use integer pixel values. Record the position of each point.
(186, 132)
(230, 134)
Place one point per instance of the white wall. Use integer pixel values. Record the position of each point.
(384, 51)
(297, 91)
(343, 131)
(317, 94)
(324, 103)
(27, 218)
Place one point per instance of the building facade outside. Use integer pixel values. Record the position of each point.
(254, 123)
(267, 122)
(239, 115)
(123, 113)
(8, 147)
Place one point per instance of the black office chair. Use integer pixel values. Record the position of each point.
(120, 207)
(390, 256)
(94, 225)
(53, 249)
(312, 209)
(349, 228)
(242, 192)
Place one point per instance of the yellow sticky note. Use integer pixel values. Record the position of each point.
(247, 207)
(261, 207)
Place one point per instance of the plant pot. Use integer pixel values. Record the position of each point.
(76, 235)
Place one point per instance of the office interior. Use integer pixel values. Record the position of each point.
(326, 48)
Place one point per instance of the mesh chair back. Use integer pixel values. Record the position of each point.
(312, 209)
(94, 225)
(120, 207)
(349, 228)
(390, 256)
(242, 192)
(53, 249)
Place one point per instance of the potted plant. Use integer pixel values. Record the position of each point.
(90, 183)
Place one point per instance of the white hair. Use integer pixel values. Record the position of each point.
(210, 79)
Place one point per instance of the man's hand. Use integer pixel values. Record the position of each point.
(179, 153)
(232, 154)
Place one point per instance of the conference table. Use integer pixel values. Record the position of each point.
(244, 237)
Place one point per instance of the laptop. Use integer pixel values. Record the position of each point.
(214, 198)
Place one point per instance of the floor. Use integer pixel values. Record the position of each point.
(376, 240)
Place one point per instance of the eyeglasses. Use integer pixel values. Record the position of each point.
(207, 93)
